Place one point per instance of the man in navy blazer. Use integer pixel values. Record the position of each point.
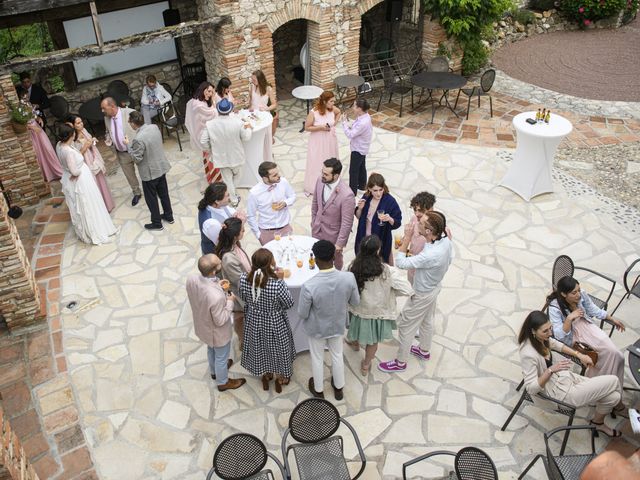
(332, 209)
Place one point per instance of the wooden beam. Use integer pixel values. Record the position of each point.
(96, 24)
(69, 54)
(16, 7)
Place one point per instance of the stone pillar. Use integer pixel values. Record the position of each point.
(432, 35)
(19, 295)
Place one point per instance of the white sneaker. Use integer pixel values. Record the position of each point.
(634, 419)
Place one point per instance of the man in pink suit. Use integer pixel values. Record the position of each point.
(332, 208)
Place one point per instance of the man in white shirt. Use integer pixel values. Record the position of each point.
(223, 137)
(268, 206)
(418, 313)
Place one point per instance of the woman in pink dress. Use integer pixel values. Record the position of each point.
(262, 97)
(200, 109)
(45, 154)
(223, 90)
(86, 145)
(323, 142)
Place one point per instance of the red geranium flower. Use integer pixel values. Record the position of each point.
(581, 9)
(587, 21)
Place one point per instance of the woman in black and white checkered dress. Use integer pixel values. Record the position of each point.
(268, 342)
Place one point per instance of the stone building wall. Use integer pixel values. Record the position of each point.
(190, 46)
(12, 454)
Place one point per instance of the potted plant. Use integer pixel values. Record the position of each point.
(21, 114)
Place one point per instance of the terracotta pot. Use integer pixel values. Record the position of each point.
(19, 127)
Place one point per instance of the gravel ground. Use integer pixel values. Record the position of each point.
(613, 170)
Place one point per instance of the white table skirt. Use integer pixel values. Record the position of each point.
(257, 149)
(286, 253)
(530, 172)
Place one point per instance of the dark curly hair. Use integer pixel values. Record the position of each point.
(230, 230)
(368, 263)
(213, 193)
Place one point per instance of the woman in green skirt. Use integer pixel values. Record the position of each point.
(379, 284)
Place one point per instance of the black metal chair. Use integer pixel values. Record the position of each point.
(319, 454)
(470, 463)
(171, 121)
(635, 286)
(243, 456)
(394, 83)
(564, 467)
(59, 108)
(563, 266)
(482, 90)
(561, 407)
(168, 88)
(118, 86)
(439, 64)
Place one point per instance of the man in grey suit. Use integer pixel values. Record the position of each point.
(146, 150)
(323, 310)
(119, 133)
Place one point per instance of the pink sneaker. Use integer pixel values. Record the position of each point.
(392, 366)
(418, 352)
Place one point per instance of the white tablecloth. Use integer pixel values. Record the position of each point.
(257, 149)
(530, 172)
(287, 252)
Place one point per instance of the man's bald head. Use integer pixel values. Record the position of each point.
(209, 264)
(109, 107)
(611, 464)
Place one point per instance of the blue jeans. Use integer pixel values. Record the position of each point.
(218, 357)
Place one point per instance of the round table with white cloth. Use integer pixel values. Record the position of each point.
(287, 252)
(530, 172)
(257, 149)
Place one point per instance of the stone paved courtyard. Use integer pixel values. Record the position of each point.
(149, 409)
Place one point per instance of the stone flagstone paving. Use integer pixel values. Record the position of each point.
(149, 409)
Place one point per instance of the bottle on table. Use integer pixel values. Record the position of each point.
(538, 115)
(543, 114)
(547, 117)
(312, 262)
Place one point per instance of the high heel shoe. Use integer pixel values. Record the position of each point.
(615, 433)
(266, 378)
(364, 368)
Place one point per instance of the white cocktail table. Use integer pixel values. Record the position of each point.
(287, 253)
(308, 93)
(257, 149)
(530, 173)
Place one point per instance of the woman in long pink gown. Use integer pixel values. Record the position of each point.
(85, 144)
(200, 109)
(45, 154)
(323, 142)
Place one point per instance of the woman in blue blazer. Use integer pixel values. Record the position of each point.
(378, 214)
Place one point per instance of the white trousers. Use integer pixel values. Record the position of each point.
(316, 350)
(417, 314)
(229, 175)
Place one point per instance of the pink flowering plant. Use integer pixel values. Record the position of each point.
(585, 12)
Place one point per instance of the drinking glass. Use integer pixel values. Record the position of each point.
(380, 213)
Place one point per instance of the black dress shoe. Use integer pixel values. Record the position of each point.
(169, 220)
(337, 392)
(153, 226)
(135, 200)
(312, 389)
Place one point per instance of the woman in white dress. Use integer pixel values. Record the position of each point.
(89, 216)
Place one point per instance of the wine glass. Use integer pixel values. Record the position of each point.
(380, 214)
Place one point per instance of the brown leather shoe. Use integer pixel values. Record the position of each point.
(312, 389)
(337, 391)
(229, 363)
(232, 384)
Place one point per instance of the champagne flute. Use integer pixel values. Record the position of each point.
(380, 214)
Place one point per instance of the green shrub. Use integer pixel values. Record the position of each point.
(542, 5)
(520, 15)
(585, 12)
(57, 83)
(21, 112)
(475, 57)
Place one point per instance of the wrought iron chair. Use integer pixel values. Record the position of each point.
(319, 454)
(394, 83)
(635, 286)
(118, 86)
(486, 82)
(564, 467)
(59, 108)
(439, 64)
(243, 456)
(171, 121)
(561, 407)
(563, 266)
(470, 463)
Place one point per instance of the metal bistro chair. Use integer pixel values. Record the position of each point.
(439, 64)
(243, 456)
(118, 86)
(635, 287)
(486, 82)
(394, 83)
(170, 121)
(564, 467)
(319, 453)
(59, 108)
(470, 463)
(563, 266)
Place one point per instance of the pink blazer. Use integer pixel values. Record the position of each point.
(333, 220)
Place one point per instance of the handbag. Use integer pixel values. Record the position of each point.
(586, 350)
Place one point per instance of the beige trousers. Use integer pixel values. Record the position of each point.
(229, 176)
(267, 235)
(417, 314)
(128, 168)
(603, 390)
